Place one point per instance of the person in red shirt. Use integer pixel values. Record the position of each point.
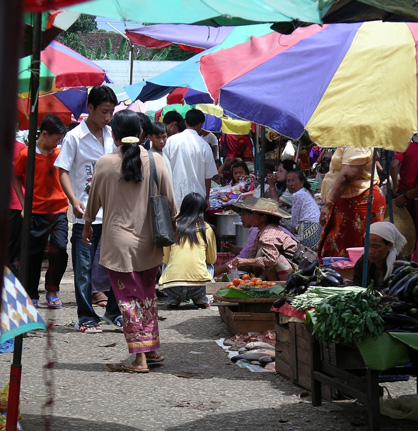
(238, 146)
(15, 227)
(49, 212)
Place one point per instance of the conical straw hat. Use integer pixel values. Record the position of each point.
(267, 206)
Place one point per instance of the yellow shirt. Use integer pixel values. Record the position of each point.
(186, 265)
(350, 156)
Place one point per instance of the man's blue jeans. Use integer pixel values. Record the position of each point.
(83, 256)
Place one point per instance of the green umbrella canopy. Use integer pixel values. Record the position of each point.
(209, 12)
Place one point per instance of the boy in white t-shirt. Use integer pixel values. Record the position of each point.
(81, 149)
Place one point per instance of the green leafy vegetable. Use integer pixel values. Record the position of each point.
(349, 317)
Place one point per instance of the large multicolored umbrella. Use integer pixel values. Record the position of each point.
(233, 12)
(63, 104)
(187, 74)
(188, 37)
(53, 23)
(60, 67)
(208, 12)
(347, 84)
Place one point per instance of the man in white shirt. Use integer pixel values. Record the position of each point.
(81, 149)
(191, 159)
(212, 140)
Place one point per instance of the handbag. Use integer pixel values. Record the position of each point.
(162, 224)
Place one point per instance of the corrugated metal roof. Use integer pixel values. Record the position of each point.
(119, 70)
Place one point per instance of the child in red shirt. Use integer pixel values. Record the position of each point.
(49, 212)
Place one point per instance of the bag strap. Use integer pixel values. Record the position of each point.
(153, 173)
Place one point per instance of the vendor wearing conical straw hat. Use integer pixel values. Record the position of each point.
(273, 247)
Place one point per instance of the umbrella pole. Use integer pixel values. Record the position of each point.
(16, 368)
(257, 149)
(389, 188)
(368, 222)
(263, 160)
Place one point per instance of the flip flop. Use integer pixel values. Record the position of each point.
(99, 299)
(158, 357)
(51, 302)
(128, 368)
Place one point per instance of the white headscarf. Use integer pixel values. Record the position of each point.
(389, 232)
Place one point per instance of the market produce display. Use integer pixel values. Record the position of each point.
(349, 317)
(299, 281)
(314, 295)
(250, 287)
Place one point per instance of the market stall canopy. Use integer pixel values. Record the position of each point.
(187, 74)
(208, 12)
(347, 84)
(44, 5)
(53, 23)
(188, 37)
(63, 104)
(60, 67)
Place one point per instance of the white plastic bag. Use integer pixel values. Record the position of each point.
(288, 152)
(403, 407)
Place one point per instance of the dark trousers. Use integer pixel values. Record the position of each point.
(83, 256)
(54, 227)
(15, 238)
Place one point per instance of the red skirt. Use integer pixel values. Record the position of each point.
(346, 225)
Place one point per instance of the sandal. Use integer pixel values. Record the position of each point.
(126, 367)
(35, 303)
(99, 299)
(52, 301)
(156, 357)
(88, 328)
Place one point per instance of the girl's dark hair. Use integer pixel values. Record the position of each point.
(52, 125)
(289, 165)
(237, 165)
(102, 94)
(303, 178)
(126, 124)
(191, 219)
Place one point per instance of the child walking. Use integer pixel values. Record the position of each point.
(158, 137)
(49, 212)
(190, 260)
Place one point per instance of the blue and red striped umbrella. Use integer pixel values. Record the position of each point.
(61, 67)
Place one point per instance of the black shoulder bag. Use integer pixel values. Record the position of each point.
(160, 211)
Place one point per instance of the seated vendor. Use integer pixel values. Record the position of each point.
(244, 252)
(273, 248)
(385, 244)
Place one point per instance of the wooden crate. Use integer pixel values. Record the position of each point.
(242, 322)
(293, 355)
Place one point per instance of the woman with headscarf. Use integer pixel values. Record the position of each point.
(385, 244)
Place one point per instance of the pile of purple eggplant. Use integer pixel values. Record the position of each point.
(403, 292)
(312, 275)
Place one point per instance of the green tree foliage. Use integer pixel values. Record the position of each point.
(109, 49)
(84, 24)
(83, 50)
(122, 49)
(99, 53)
(178, 54)
(71, 38)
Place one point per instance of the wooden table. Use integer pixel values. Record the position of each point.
(352, 378)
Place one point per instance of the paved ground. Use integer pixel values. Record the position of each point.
(197, 388)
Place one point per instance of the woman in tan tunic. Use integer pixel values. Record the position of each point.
(121, 186)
